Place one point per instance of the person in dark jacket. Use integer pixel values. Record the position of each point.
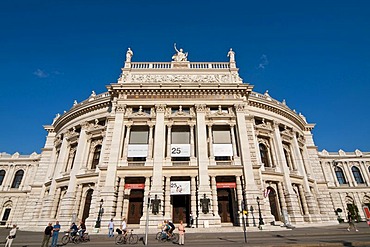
(47, 235)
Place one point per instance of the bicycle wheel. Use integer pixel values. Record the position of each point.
(65, 240)
(158, 236)
(119, 239)
(86, 237)
(175, 237)
(76, 239)
(133, 239)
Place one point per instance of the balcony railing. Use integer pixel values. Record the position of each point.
(169, 65)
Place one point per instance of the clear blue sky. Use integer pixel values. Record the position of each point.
(314, 54)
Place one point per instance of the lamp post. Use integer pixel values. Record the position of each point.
(98, 221)
(254, 220)
(260, 223)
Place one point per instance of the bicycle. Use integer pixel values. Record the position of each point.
(162, 236)
(85, 238)
(68, 238)
(126, 238)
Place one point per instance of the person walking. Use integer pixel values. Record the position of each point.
(181, 233)
(11, 236)
(351, 223)
(111, 229)
(47, 234)
(56, 229)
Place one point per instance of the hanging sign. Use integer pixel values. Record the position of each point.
(137, 150)
(222, 150)
(180, 150)
(180, 187)
(135, 186)
(221, 185)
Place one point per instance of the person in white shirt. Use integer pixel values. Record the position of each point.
(11, 236)
(111, 228)
(124, 226)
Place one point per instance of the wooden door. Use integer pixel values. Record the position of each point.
(224, 205)
(180, 205)
(135, 207)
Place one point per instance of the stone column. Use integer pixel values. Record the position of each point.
(56, 201)
(303, 199)
(210, 144)
(167, 198)
(239, 193)
(145, 203)
(193, 202)
(290, 196)
(233, 141)
(108, 192)
(245, 152)
(280, 191)
(348, 172)
(150, 145)
(159, 148)
(78, 202)
(169, 128)
(214, 196)
(69, 198)
(121, 191)
(127, 140)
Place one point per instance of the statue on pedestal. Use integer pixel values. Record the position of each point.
(180, 56)
(231, 55)
(129, 55)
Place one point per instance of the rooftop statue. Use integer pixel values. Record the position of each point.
(129, 55)
(231, 55)
(180, 56)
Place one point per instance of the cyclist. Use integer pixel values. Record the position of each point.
(82, 229)
(165, 229)
(172, 227)
(73, 229)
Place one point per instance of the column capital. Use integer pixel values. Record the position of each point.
(160, 108)
(201, 107)
(239, 107)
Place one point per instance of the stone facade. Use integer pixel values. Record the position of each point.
(170, 139)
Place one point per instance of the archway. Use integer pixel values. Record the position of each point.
(274, 206)
(87, 205)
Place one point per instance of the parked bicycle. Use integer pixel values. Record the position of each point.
(126, 238)
(163, 237)
(70, 238)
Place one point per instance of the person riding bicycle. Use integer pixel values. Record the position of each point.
(172, 227)
(165, 229)
(73, 229)
(82, 229)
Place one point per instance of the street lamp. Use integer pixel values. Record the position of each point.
(254, 220)
(260, 223)
(97, 224)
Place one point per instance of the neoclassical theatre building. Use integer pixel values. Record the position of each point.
(175, 140)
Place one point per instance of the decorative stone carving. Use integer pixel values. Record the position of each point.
(201, 108)
(129, 55)
(160, 108)
(180, 56)
(231, 55)
(239, 107)
(219, 78)
(120, 108)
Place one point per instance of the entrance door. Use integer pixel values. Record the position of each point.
(5, 216)
(181, 208)
(135, 206)
(225, 205)
(273, 204)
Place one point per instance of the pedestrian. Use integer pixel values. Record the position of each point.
(191, 220)
(11, 236)
(110, 229)
(351, 223)
(56, 229)
(181, 233)
(47, 234)
(124, 226)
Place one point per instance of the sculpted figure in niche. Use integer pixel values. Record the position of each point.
(129, 55)
(180, 55)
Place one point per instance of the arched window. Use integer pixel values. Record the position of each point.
(340, 175)
(357, 175)
(264, 155)
(2, 175)
(17, 179)
(96, 156)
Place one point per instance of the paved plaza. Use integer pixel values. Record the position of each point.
(273, 236)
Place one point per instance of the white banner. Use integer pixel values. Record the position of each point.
(223, 149)
(137, 150)
(180, 187)
(180, 150)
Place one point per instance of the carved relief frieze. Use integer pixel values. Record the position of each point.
(218, 78)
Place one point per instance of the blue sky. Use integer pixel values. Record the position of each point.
(314, 54)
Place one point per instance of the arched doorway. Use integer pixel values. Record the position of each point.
(6, 212)
(87, 205)
(274, 206)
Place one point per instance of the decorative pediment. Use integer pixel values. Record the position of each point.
(287, 135)
(220, 113)
(180, 112)
(140, 113)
